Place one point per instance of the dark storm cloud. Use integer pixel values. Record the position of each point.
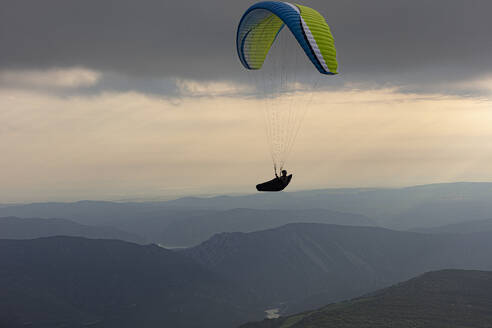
(384, 41)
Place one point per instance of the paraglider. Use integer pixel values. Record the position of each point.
(283, 83)
(277, 184)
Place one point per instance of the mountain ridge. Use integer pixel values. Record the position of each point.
(73, 281)
(30, 228)
(446, 298)
(337, 261)
(399, 208)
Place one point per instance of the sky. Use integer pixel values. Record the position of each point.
(147, 99)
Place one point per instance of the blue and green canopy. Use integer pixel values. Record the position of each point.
(263, 21)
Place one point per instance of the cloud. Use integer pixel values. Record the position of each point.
(484, 84)
(412, 44)
(55, 78)
(193, 88)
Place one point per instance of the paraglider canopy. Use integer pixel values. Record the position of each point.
(263, 21)
(284, 85)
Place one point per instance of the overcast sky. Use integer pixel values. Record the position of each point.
(145, 99)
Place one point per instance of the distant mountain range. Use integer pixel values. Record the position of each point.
(385, 204)
(77, 282)
(94, 212)
(460, 228)
(17, 228)
(175, 228)
(449, 298)
(439, 213)
(307, 265)
(419, 207)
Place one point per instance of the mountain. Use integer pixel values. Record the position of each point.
(348, 199)
(305, 265)
(463, 227)
(147, 220)
(17, 228)
(227, 280)
(94, 212)
(177, 227)
(445, 212)
(78, 282)
(198, 228)
(397, 208)
(448, 298)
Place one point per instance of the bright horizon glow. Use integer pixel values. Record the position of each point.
(130, 145)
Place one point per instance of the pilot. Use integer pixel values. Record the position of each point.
(283, 178)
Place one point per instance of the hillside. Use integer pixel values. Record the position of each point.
(227, 280)
(313, 264)
(77, 282)
(441, 299)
